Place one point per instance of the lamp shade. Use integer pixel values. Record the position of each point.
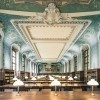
(92, 82)
(18, 83)
(55, 83)
(51, 78)
(26, 77)
(33, 79)
(68, 76)
(63, 77)
(70, 79)
(15, 78)
(75, 77)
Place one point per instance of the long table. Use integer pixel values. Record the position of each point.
(39, 85)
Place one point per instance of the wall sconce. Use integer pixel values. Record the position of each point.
(92, 83)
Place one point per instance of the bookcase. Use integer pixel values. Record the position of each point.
(8, 76)
(1, 77)
(11, 76)
(27, 74)
(80, 75)
(22, 75)
(69, 74)
(93, 73)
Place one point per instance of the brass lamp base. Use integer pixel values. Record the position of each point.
(56, 94)
(18, 94)
(92, 94)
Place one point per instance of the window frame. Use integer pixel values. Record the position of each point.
(14, 58)
(75, 63)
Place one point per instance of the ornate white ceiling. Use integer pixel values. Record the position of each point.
(49, 34)
(50, 42)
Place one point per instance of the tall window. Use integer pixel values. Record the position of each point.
(65, 67)
(69, 66)
(23, 61)
(1, 51)
(75, 63)
(14, 58)
(85, 56)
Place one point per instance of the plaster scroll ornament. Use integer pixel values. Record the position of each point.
(51, 14)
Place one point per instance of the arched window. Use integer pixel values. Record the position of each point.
(69, 65)
(14, 58)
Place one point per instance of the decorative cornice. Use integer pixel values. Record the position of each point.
(48, 19)
(57, 2)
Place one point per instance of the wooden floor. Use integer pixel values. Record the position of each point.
(50, 95)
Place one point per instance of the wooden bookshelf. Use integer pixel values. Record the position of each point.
(27, 74)
(80, 75)
(22, 75)
(1, 77)
(8, 74)
(11, 76)
(93, 73)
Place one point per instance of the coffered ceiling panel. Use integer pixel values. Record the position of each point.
(50, 50)
(50, 42)
(50, 32)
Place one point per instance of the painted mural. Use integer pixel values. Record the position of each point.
(49, 68)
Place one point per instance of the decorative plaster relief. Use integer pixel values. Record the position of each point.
(50, 19)
(51, 15)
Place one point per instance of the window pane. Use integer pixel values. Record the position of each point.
(14, 60)
(13, 66)
(14, 53)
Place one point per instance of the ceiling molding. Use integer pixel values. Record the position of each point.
(21, 25)
(45, 2)
(48, 26)
(64, 15)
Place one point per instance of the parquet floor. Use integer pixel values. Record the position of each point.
(50, 95)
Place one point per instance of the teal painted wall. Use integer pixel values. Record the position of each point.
(7, 55)
(94, 56)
